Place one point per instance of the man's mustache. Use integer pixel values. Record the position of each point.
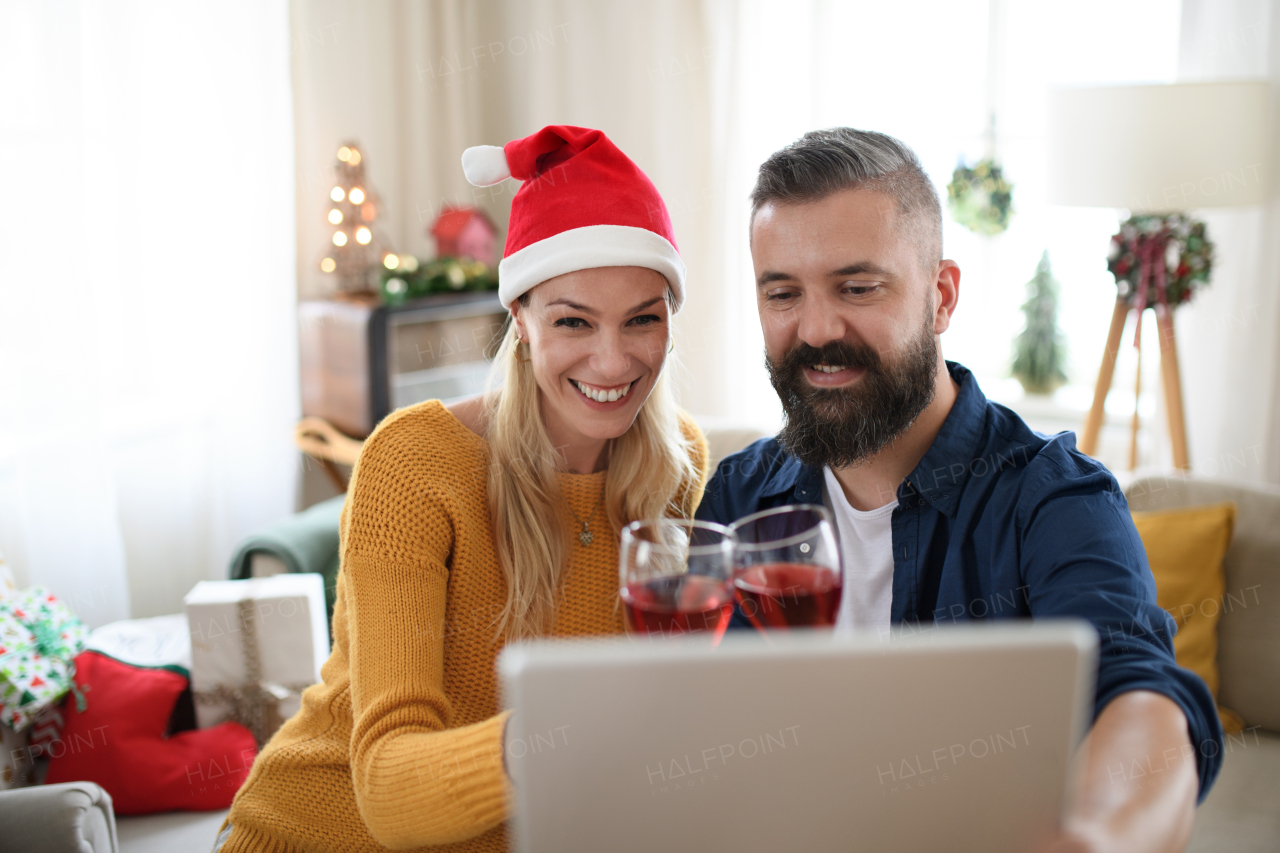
(834, 353)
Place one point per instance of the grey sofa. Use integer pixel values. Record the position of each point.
(73, 817)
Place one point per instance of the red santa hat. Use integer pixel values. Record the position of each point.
(583, 204)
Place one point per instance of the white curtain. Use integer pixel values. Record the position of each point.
(147, 292)
(1229, 337)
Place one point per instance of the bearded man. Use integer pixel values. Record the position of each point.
(947, 506)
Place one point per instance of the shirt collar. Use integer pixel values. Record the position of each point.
(946, 466)
(792, 476)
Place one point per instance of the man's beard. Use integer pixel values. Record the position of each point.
(839, 427)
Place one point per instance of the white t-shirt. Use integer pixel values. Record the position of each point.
(866, 547)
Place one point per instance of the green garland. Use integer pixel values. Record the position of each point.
(443, 275)
(1188, 257)
(980, 198)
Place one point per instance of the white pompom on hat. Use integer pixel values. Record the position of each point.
(485, 165)
(583, 205)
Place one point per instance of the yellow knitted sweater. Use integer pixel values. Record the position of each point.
(400, 746)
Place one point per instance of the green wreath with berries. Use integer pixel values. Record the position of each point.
(980, 198)
(1177, 240)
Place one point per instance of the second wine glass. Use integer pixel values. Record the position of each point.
(787, 567)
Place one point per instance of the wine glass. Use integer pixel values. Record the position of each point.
(676, 576)
(787, 567)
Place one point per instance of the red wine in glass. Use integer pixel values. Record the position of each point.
(678, 604)
(789, 595)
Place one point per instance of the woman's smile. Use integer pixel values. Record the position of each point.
(605, 397)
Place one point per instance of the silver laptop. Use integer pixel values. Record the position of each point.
(954, 738)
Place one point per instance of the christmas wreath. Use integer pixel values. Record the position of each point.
(1160, 259)
(980, 198)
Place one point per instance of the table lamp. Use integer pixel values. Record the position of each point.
(1156, 150)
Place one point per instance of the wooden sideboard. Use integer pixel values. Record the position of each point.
(361, 360)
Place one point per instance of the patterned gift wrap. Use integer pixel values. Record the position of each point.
(58, 631)
(39, 636)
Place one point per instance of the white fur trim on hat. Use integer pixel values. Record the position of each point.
(590, 247)
(485, 165)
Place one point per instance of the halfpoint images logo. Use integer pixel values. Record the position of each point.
(913, 773)
(685, 773)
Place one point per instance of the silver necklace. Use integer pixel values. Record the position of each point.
(585, 536)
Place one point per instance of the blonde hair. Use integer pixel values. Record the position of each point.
(649, 468)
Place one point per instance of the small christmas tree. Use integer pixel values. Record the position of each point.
(356, 253)
(1040, 350)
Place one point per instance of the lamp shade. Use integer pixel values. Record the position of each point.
(1159, 148)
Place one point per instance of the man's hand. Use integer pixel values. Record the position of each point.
(1137, 784)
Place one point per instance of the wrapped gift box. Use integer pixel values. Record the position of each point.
(59, 633)
(39, 637)
(255, 646)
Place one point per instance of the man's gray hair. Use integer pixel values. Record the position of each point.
(823, 162)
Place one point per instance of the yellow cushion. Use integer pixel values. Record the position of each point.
(1185, 548)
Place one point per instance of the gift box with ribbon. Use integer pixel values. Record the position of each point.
(255, 646)
(39, 638)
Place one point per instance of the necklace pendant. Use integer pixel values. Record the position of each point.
(585, 536)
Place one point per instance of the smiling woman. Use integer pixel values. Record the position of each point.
(493, 519)
(584, 391)
(594, 336)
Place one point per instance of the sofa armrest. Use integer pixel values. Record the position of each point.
(73, 817)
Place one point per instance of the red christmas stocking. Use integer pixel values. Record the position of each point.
(118, 741)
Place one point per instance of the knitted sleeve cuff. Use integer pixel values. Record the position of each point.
(424, 788)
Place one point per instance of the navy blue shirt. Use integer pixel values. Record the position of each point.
(1000, 522)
